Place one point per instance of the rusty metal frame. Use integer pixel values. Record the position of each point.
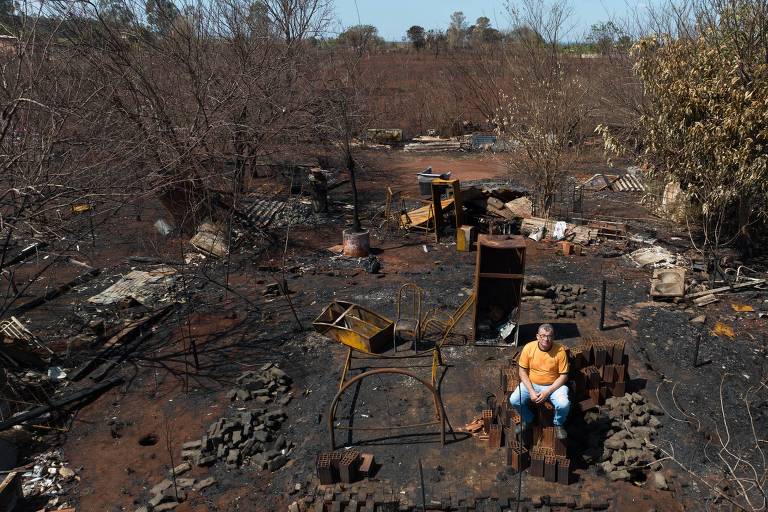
(398, 371)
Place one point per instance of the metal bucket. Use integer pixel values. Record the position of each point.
(357, 245)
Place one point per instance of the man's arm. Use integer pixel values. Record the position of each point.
(523, 372)
(562, 379)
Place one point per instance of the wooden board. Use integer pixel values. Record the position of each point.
(421, 216)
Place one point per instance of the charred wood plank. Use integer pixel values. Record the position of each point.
(111, 347)
(61, 402)
(32, 304)
(122, 351)
(25, 254)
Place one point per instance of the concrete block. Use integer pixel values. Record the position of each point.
(159, 488)
(191, 445)
(181, 468)
(204, 483)
(277, 463)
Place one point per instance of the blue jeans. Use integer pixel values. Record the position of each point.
(521, 398)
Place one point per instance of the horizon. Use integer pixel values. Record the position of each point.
(390, 18)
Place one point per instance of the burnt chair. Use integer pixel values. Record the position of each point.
(408, 318)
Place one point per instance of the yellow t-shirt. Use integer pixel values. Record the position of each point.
(543, 367)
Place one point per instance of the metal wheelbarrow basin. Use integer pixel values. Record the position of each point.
(356, 327)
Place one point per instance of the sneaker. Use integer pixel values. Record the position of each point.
(522, 428)
(560, 433)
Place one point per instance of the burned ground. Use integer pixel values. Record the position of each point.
(230, 318)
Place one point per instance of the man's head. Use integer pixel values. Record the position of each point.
(545, 336)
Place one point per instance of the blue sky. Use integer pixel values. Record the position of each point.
(393, 17)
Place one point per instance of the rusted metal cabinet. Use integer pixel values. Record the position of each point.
(499, 274)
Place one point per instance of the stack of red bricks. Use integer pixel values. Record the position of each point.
(598, 372)
(348, 466)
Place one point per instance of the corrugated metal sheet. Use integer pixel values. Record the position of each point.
(480, 140)
(599, 181)
(147, 288)
(260, 212)
(628, 183)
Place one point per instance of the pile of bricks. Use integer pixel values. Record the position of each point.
(343, 466)
(598, 372)
(267, 385)
(249, 435)
(172, 491)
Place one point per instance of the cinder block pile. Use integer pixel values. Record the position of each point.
(555, 301)
(250, 433)
(245, 436)
(598, 371)
(626, 428)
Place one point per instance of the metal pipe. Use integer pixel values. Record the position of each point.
(601, 326)
(398, 371)
(423, 492)
(396, 427)
(696, 351)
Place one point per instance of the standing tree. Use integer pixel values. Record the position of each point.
(435, 39)
(606, 38)
(7, 8)
(416, 36)
(296, 20)
(457, 30)
(160, 15)
(704, 120)
(544, 112)
(361, 38)
(114, 12)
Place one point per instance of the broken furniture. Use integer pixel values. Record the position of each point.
(378, 371)
(12, 330)
(408, 317)
(430, 217)
(499, 274)
(362, 330)
(444, 327)
(452, 188)
(610, 230)
(425, 180)
(668, 282)
(423, 217)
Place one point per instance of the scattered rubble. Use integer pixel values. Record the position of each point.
(656, 256)
(556, 301)
(247, 436)
(429, 143)
(50, 478)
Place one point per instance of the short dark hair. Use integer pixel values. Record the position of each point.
(546, 328)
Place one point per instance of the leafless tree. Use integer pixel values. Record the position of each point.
(296, 20)
(544, 100)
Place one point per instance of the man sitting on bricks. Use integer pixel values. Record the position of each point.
(543, 372)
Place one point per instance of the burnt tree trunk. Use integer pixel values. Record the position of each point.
(351, 166)
(744, 242)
